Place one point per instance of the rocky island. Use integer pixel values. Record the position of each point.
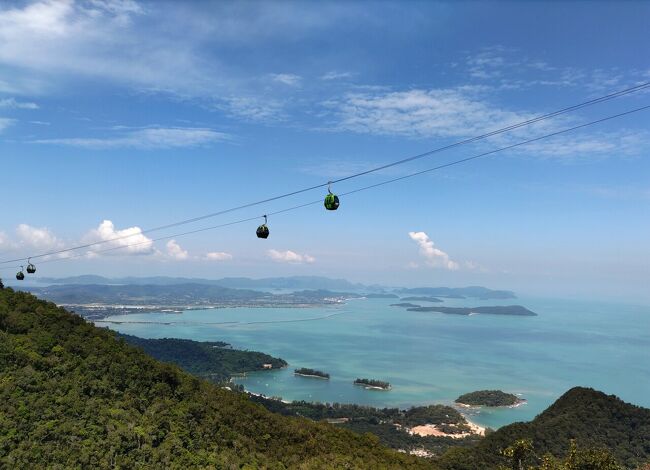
(490, 398)
(317, 374)
(373, 384)
(514, 310)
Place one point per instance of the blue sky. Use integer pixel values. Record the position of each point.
(117, 116)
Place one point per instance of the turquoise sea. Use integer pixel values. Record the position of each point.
(431, 357)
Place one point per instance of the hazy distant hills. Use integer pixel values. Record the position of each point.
(142, 294)
(178, 294)
(293, 282)
(475, 292)
(290, 283)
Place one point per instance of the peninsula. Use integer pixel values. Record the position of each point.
(316, 374)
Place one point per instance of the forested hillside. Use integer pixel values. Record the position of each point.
(215, 361)
(76, 396)
(72, 396)
(590, 418)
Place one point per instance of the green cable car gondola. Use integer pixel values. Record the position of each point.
(31, 269)
(20, 275)
(263, 230)
(331, 200)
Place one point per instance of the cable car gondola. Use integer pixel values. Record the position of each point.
(2, 286)
(331, 200)
(20, 275)
(263, 230)
(31, 269)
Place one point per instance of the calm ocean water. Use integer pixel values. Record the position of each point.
(432, 357)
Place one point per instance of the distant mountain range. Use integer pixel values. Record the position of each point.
(289, 283)
(188, 294)
(476, 292)
(293, 282)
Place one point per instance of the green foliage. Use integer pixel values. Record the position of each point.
(518, 454)
(590, 418)
(434, 414)
(212, 360)
(522, 452)
(76, 396)
(488, 398)
(382, 422)
(372, 383)
(307, 371)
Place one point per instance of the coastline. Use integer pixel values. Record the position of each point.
(373, 387)
(520, 402)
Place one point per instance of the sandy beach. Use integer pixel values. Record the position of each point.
(432, 430)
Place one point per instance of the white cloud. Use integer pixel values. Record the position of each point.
(335, 75)
(458, 113)
(99, 38)
(253, 108)
(421, 113)
(568, 147)
(37, 238)
(289, 256)
(131, 240)
(218, 256)
(175, 251)
(5, 122)
(5, 242)
(507, 68)
(433, 256)
(286, 78)
(152, 138)
(45, 43)
(13, 104)
(487, 63)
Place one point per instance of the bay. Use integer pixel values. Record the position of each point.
(430, 357)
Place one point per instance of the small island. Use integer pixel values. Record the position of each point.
(421, 299)
(317, 374)
(489, 398)
(373, 384)
(405, 305)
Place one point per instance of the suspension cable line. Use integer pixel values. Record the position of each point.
(364, 188)
(527, 122)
